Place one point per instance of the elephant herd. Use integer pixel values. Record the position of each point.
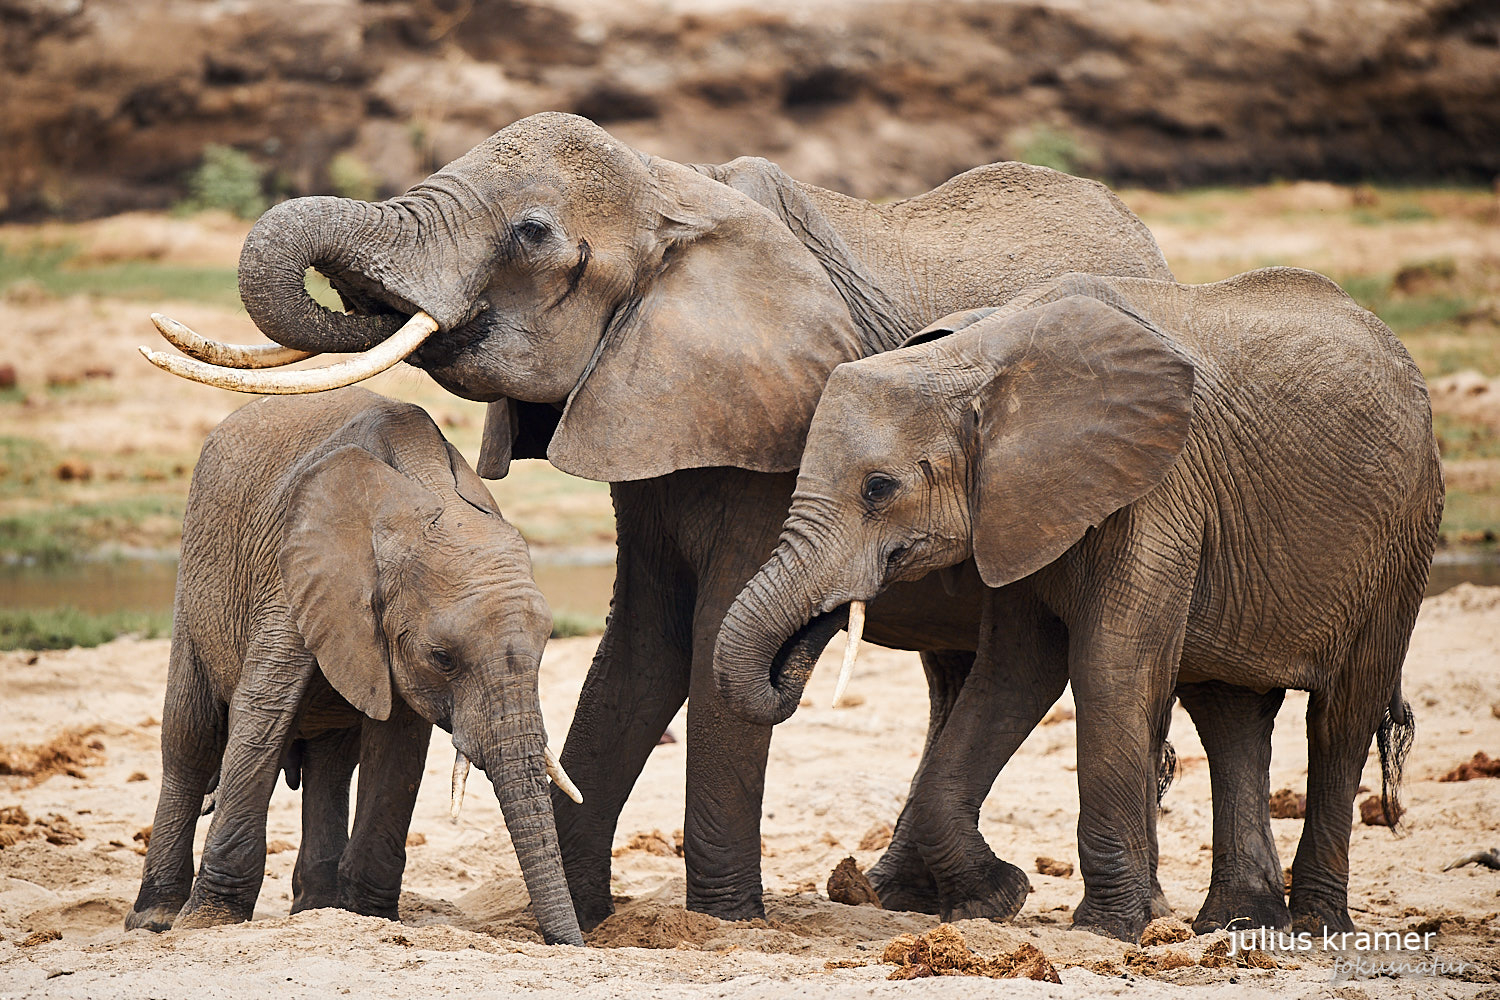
(983, 423)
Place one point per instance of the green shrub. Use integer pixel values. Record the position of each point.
(1059, 149)
(350, 178)
(227, 179)
(566, 625)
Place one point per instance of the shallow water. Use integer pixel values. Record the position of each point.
(571, 586)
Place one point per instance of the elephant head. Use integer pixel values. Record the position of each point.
(387, 593)
(1005, 442)
(673, 321)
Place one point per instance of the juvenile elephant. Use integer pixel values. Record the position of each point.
(1230, 487)
(667, 329)
(346, 582)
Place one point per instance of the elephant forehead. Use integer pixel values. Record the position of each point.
(570, 150)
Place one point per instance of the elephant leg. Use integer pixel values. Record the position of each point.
(1341, 720)
(637, 682)
(1235, 726)
(327, 764)
(1019, 672)
(192, 742)
(901, 878)
(261, 716)
(1124, 651)
(392, 755)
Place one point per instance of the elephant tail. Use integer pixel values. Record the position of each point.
(1397, 732)
(1166, 770)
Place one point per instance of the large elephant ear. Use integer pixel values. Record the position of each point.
(1087, 410)
(514, 429)
(951, 323)
(724, 354)
(346, 511)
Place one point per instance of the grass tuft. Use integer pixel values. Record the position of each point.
(64, 628)
(566, 625)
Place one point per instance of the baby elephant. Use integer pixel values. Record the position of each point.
(346, 583)
(1231, 487)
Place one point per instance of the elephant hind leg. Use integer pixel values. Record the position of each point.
(1234, 724)
(192, 743)
(1360, 702)
(327, 765)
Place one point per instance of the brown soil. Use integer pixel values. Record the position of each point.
(110, 103)
(67, 753)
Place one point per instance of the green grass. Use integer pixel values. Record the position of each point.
(61, 533)
(1466, 515)
(64, 628)
(52, 269)
(566, 625)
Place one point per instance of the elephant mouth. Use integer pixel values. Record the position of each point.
(445, 349)
(799, 653)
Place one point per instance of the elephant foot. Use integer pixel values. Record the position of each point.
(1160, 907)
(368, 902)
(207, 910)
(156, 918)
(1319, 915)
(997, 894)
(592, 909)
(1236, 908)
(740, 908)
(903, 882)
(1111, 923)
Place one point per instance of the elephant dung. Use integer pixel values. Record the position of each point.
(1287, 804)
(1372, 812)
(1481, 765)
(848, 885)
(1057, 869)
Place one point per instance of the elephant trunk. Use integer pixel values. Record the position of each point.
(514, 756)
(323, 233)
(771, 638)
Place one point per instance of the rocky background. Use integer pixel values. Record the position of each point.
(108, 105)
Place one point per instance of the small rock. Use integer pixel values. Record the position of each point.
(1057, 869)
(848, 885)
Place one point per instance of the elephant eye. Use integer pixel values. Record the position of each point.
(532, 230)
(444, 660)
(878, 488)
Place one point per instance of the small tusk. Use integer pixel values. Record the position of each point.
(856, 628)
(460, 778)
(559, 776)
(372, 362)
(227, 355)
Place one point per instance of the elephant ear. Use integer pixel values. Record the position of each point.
(469, 485)
(1087, 410)
(514, 429)
(951, 323)
(348, 514)
(721, 358)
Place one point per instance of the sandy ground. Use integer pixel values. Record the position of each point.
(835, 774)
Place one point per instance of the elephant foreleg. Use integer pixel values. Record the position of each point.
(192, 741)
(327, 764)
(261, 716)
(392, 755)
(1235, 726)
(637, 682)
(901, 878)
(1019, 672)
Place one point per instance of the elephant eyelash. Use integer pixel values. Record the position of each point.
(444, 660)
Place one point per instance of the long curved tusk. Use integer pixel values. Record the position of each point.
(460, 778)
(180, 336)
(856, 628)
(559, 776)
(374, 361)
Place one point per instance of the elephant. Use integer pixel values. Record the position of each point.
(337, 556)
(667, 329)
(1208, 487)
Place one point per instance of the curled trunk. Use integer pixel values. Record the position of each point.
(771, 639)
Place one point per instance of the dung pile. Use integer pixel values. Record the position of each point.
(67, 753)
(942, 952)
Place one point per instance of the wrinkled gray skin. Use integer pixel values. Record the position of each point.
(346, 583)
(669, 329)
(1232, 487)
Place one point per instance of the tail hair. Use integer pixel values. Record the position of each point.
(1166, 770)
(1397, 732)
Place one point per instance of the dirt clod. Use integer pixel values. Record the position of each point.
(416, 839)
(653, 925)
(1481, 765)
(848, 885)
(1372, 812)
(1287, 804)
(279, 846)
(67, 753)
(942, 952)
(1057, 869)
(137, 776)
(41, 937)
(58, 830)
(1165, 930)
(877, 837)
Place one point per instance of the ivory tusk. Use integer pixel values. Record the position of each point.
(559, 776)
(180, 336)
(372, 362)
(856, 628)
(460, 778)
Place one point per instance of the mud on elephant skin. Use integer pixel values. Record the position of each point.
(1156, 483)
(668, 329)
(346, 583)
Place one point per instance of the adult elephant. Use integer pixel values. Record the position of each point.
(668, 329)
